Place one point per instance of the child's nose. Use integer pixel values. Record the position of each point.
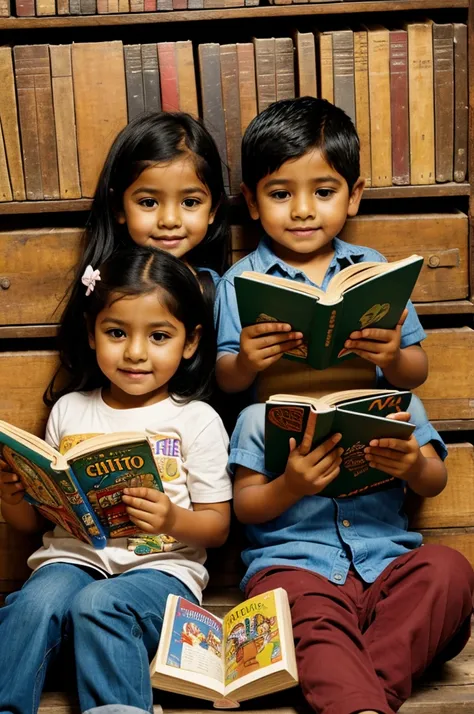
(303, 207)
(136, 350)
(169, 216)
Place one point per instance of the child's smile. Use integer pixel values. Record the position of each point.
(139, 345)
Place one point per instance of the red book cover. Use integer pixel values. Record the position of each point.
(399, 107)
(180, 4)
(149, 5)
(25, 8)
(168, 76)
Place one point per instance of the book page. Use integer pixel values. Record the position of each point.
(252, 639)
(196, 641)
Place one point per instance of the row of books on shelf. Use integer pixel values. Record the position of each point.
(48, 8)
(406, 90)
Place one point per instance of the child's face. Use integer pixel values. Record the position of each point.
(303, 205)
(139, 345)
(168, 207)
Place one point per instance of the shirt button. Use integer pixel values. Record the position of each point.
(338, 577)
(342, 555)
(346, 523)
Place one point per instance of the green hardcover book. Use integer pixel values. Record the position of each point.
(362, 295)
(82, 489)
(360, 415)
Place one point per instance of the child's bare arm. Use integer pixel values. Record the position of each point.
(206, 526)
(404, 367)
(260, 346)
(420, 467)
(258, 499)
(16, 511)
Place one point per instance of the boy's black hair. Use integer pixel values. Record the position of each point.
(136, 271)
(290, 128)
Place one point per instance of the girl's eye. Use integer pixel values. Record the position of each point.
(148, 202)
(324, 192)
(280, 195)
(159, 337)
(116, 333)
(191, 202)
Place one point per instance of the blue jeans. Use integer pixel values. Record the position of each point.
(113, 624)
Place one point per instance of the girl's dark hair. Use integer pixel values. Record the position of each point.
(151, 139)
(135, 271)
(290, 128)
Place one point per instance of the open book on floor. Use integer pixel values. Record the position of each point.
(360, 415)
(361, 295)
(247, 654)
(82, 489)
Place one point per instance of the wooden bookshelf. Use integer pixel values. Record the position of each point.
(241, 13)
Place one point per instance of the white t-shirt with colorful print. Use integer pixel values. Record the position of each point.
(192, 460)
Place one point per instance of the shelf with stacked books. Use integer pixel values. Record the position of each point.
(269, 11)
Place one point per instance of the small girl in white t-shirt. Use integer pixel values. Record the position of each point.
(146, 346)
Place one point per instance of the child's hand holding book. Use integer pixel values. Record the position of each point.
(12, 490)
(264, 343)
(400, 458)
(149, 509)
(377, 345)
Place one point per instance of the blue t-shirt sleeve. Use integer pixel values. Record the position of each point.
(226, 317)
(425, 433)
(412, 331)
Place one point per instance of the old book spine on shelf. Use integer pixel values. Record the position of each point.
(421, 103)
(137, 6)
(231, 103)
(361, 91)
(326, 73)
(180, 4)
(343, 70)
(285, 68)
(46, 124)
(101, 105)
(443, 77)
(461, 102)
(149, 5)
(247, 84)
(75, 7)
(25, 8)
(5, 186)
(4, 8)
(134, 78)
(211, 97)
(151, 78)
(265, 71)
(25, 70)
(251, 3)
(65, 121)
(102, 7)
(9, 124)
(63, 7)
(195, 4)
(168, 76)
(187, 78)
(307, 85)
(216, 4)
(399, 107)
(164, 5)
(88, 7)
(379, 102)
(123, 6)
(45, 7)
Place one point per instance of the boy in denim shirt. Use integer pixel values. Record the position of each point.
(370, 608)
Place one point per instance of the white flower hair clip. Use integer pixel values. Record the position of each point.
(90, 278)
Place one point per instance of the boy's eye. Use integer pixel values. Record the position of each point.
(280, 195)
(191, 202)
(116, 333)
(324, 192)
(158, 337)
(148, 202)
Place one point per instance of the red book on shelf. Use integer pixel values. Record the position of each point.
(168, 76)
(25, 8)
(399, 107)
(149, 5)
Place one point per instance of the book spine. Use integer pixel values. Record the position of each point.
(149, 5)
(25, 86)
(4, 8)
(65, 121)
(461, 108)
(9, 124)
(195, 4)
(284, 68)
(421, 103)
(231, 104)
(211, 95)
(45, 7)
(25, 8)
(361, 92)
(379, 100)
(399, 107)
(5, 187)
(74, 7)
(63, 7)
(39, 59)
(187, 78)
(343, 70)
(134, 77)
(137, 6)
(88, 7)
(443, 72)
(151, 78)
(326, 66)
(168, 76)
(322, 342)
(123, 6)
(265, 71)
(306, 63)
(164, 5)
(100, 102)
(180, 4)
(247, 84)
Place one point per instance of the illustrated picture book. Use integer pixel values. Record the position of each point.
(360, 415)
(247, 654)
(363, 295)
(82, 489)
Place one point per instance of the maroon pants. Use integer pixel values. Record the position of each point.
(359, 646)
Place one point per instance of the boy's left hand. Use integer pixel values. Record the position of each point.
(396, 457)
(381, 347)
(150, 509)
